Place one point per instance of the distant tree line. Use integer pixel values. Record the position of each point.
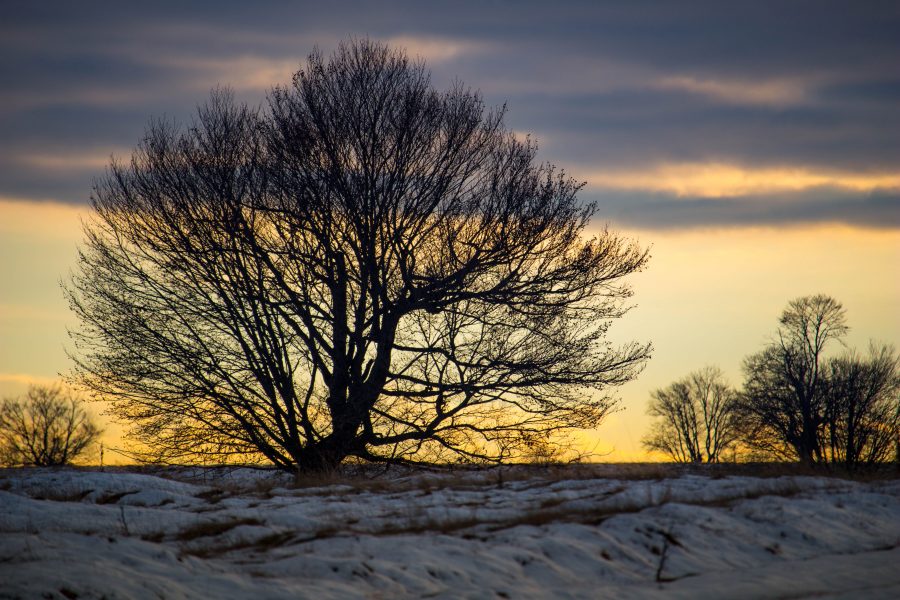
(795, 403)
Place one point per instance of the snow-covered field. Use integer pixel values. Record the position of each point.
(585, 532)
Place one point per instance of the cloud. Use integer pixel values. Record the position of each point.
(437, 50)
(720, 180)
(94, 162)
(241, 73)
(772, 92)
(879, 209)
(728, 100)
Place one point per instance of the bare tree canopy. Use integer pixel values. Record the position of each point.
(365, 268)
(784, 393)
(46, 427)
(798, 404)
(862, 415)
(696, 418)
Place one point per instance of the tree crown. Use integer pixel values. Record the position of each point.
(367, 267)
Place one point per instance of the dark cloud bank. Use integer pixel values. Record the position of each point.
(603, 86)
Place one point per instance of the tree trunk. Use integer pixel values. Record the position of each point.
(323, 457)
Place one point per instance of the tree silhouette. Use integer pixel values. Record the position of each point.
(696, 418)
(862, 414)
(784, 394)
(46, 427)
(365, 268)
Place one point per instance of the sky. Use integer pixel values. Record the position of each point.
(753, 146)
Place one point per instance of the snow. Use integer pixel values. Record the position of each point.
(526, 533)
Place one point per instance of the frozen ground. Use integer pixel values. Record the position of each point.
(588, 532)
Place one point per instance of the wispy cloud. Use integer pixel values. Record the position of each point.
(786, 91)
(74, 161)
(436, 50)
(101, 96)
(241, 73)
(722, 180)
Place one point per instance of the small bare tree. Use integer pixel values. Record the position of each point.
(46, 427)
(697, 418)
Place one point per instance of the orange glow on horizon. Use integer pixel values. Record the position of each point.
(708, 296)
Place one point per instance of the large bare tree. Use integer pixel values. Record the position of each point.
(366, 267)
(696, 418)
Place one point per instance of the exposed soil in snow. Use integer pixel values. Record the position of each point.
(584, 532)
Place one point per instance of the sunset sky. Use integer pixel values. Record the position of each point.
(754, 146)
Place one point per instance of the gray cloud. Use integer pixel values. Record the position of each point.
(604, 85)
(879, 209)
